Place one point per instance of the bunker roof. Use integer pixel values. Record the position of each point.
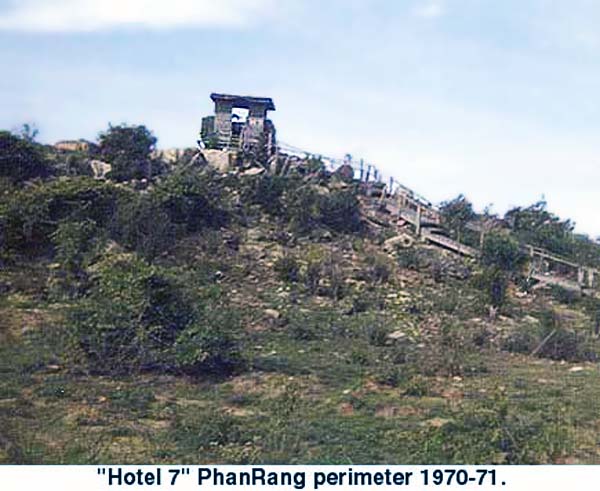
(244, 102)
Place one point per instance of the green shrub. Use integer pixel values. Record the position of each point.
(380, 269)
(127, 149)
(142, 225)
(139, 317)
(266, 191)
(287, 268)
(21, 159)
(31, 215)
(549, 339)
(377, 333)
(77, 245)
(456, 214)
(537, 226)
(307, 207)
(312, 275)
(193, 200)
(502, 252)
(339, 210)
(564, 295)
(301, 207)
(495, 431)
(452, 352)
(332, 272)
(408, 258)
(417, 386)
(201, 429)
(211, 343)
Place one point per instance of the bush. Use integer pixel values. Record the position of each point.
(312, 275)
(210, 343)
(502, 252)
(77, 244)
(301, 207)
(287, 268)
(339, 210)
(139, 317)
(333, 274)
(408, 258)
(537, 226)
(380, 269)
(565, 295)
(307, 207)
(192, 199)
(456, 214)
(453, 352)
(142, 225)
(31, 215)
(495, 431)
(551, 340)
(377, 334)
(496, 282)
(127, 149)
(266, 191)
(21, 159)
(206, 430)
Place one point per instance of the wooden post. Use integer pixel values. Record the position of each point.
(382, 197)
(581, 276)
(418, 221)
(362, 169)
(368, 172)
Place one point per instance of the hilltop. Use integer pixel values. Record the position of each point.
(241, 306)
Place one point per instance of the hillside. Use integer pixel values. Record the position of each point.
(179, 311)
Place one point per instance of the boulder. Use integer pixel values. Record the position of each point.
(403, 240)
(100, 168)
(399, 334)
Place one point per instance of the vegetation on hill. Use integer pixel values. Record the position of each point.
(248, 318)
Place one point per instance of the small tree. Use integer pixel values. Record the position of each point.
(127, 149)
(536, 225)
(21, 159)
(456, 214)
(503, 252)
(502, 259)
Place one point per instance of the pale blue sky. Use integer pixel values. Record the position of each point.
(498, 100)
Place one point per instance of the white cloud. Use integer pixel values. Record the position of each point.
(92, 15)
(430, 9)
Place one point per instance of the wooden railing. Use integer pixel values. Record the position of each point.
(402, 202)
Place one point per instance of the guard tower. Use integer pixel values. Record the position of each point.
(225, 131)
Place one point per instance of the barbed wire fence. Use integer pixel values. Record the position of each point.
(364, 171)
